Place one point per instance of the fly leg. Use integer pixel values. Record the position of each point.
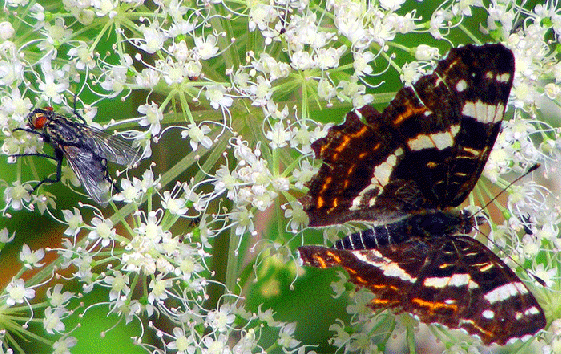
(75, 111)
(58, 158)
(42, 135)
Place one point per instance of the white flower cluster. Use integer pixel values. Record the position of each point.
(230, 98)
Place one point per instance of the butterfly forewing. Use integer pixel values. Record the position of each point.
(445, 126)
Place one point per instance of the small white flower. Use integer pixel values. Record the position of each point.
(297, 216)
(37, 12)
(206, 48)
(220, 319)
(148, 182)
(115, 79)
(176, 206)
(57, 298)
(301, 60)
(193, 68)
(260, 16)
(31, 259)
(262, 91)
(248, 343)
(278, 136)
(531, 247)
(216, 94)
(286, 336)
(351, 88)
(17, 195)
(304, 174)
(360, 63)
(74, 221)
(172, 72)
(11, 72)
(269, 65)
(181, 26)
(244, 221)
(16, 3)
(197, 135)
(147, 78)
(438, 21)
(5, 236)
(102, 230)
(218, 346)
(85, 271)
(326, 90)
(225, 181)
(18, 293)
(151, 230)
(152, 117)
(425, 52)
(106, 8)
(84, 57)
(54, 83)
(411, 72)
(552, 90)
(55, 35)
(328, 58)
(154, 38)
(404, 24)
(341, 336)
(6, 30)
(362, 100)
(15, 105)
(63, 345)
(391, 5)
(119, 284)
(158, 288)
(52, 321)
(181, 343)
(130, 191)
(241, 80)
(281, 184)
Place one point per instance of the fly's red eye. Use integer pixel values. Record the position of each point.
(38, 120)
(48, 108)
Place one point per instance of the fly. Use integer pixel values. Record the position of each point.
(86, 148)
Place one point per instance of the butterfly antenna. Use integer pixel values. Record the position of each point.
(530, 170)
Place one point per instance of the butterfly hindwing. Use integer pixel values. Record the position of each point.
(454, 281)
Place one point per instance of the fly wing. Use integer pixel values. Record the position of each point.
(112, 147)
(91, 170)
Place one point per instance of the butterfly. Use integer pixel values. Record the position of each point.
(405, 170)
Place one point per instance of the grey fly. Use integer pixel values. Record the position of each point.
(86, 148)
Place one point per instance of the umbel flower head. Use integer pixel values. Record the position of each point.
(196, 251)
